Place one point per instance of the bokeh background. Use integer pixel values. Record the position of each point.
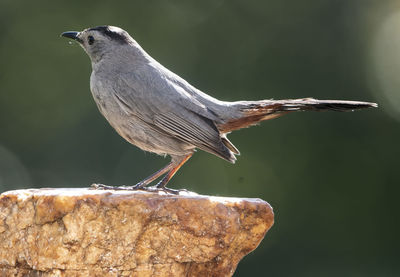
(332, 178)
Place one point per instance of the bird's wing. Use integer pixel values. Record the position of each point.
(167, 106)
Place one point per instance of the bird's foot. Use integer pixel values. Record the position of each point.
(166, 190)
(161, 187)
(101, 187)
(138, 186)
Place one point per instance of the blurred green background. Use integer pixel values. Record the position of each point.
(332, 178)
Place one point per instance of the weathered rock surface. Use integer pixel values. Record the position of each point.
(83, 232)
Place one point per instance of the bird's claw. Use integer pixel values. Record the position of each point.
(138, 186)
(107, 187)
(166, 190)
(101, 187)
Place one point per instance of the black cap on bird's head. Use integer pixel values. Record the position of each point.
(98, 40)
(113, 33)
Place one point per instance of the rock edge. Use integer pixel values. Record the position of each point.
(84, 232)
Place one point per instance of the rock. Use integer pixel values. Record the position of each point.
(84, 232)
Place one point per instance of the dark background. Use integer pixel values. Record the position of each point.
(332, 178)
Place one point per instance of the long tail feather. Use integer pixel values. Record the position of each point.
(313, 104)
(252, 112)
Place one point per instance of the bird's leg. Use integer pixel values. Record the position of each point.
(170, 169)
(153, 176)
(139, 185)
(175, 167)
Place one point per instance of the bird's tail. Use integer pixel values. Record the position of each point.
(252, 112)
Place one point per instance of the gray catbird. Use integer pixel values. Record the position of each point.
(158, 111)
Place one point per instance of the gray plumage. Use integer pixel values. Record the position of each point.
(158, 111)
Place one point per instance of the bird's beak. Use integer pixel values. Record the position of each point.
(72, 35)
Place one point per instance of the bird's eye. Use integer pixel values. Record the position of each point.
(90, 40)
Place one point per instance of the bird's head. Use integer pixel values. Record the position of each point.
(99, 41)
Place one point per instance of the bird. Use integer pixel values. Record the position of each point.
(156, 110)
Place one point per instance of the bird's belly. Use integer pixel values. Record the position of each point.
(146, 138)
(140, 133)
